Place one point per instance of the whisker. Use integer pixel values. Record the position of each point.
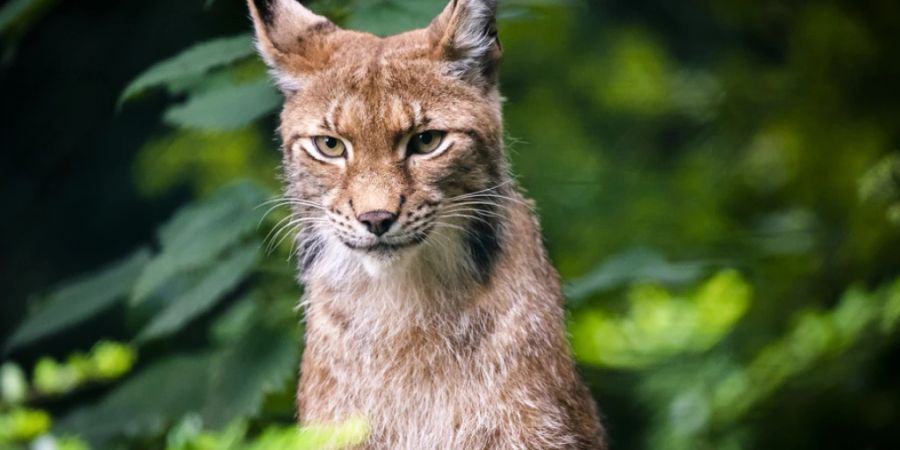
(469, 208)
(468, 194)
(468, 216)
(486, 196)
(452, 226)
(291, 228)
(283, 220)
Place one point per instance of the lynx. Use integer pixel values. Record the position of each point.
(432, 309)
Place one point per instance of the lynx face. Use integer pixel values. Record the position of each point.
(392, 146)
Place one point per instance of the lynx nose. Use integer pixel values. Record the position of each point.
(377, 222)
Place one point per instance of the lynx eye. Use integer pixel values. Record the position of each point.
(425, 143)
(330, 147)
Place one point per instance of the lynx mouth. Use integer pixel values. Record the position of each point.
(388, 244)
(382, 247)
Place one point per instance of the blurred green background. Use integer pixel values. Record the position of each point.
(718, 182)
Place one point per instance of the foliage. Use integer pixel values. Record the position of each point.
(16, 16)
(189, 435)
(192, 63)
(718, 182)
(106, 362)
(81, 299)
(659, 326)
(226, 108)
(198, 234)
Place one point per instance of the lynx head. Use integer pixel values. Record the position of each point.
(392, 146)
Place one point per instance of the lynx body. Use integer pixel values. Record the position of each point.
(432, 309)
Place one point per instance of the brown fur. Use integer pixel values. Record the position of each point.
(447, 331)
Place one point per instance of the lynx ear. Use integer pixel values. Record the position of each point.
(290, 38)
(465, 37)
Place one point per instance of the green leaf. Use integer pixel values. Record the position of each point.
(23, 424)
(189, 435)
(200, 232)
(258, 363)
(18, 13)
(145, 403)
(212, 286)
(344, 435)
(318, 437)
(54, 378)
(233, 322)
(111, 360)
(631, 266)
(81, 299)
(385, 17)
(890, 318)
(660, 325)
(13, 385)
(193, 61)
(226, 108)
(525, 9)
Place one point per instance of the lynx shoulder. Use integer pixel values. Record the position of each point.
(432, 309)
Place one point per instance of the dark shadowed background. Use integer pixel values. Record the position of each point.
(718, 182)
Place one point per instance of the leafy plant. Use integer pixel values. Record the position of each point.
(717, 185)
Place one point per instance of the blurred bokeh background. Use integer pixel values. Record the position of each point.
(718, 181)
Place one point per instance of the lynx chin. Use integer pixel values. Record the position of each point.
(432, 309)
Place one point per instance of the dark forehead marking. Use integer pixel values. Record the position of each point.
(410, 119)
(410, 115)
(333, 115)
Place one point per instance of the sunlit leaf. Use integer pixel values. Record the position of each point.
(111, 360)
(54, 378)
(341, 435)
(314, 437)
(199, 233)
(144, 404)
(226, 108)
(719, 304)
(13, 385)
(221, 278)
(23, 424)
(196, 60)
(660, 325)
(81, 299)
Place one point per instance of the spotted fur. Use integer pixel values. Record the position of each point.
(447, 331)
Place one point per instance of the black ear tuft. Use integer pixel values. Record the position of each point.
(286, 32)
(466, 37)
(264, 7)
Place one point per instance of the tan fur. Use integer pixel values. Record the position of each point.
(447, 332)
